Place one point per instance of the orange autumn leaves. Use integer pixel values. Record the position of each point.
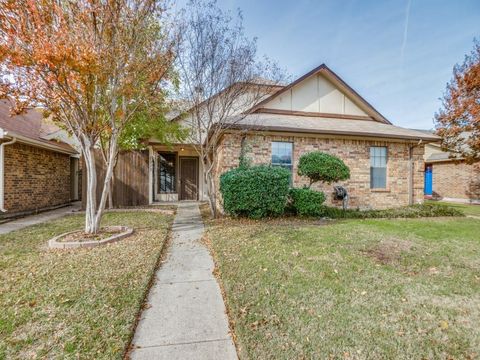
(458, 121)
(96, 67)
(85, 61)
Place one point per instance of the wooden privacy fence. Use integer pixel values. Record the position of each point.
(130, 187)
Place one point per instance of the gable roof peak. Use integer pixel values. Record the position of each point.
(337, 81)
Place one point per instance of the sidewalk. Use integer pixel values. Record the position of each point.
(28, 220)
(186, 316)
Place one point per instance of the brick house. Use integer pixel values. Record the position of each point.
(36, 172)
(449, 177)
(318, 111)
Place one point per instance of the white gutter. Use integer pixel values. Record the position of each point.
(42, 144)
(2, 171)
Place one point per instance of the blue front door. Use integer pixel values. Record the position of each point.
(428, 180)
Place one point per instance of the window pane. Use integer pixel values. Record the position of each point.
(378, 178)
(378, 167)
(282, 155)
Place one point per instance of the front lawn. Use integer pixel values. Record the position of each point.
(356, 289)
(75, 304)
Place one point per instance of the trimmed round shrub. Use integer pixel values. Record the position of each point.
(319, 166)
(307, 202)
(256, 191)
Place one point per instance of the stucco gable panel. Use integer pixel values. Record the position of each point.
(315, 94)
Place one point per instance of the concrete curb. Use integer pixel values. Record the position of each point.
(56, 244)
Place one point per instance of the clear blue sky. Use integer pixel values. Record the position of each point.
(398, 54)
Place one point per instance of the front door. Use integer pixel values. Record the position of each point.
(428, 188)
(188, 178)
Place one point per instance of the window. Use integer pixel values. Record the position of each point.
(378, 167)
(282, 155)
(166, 172)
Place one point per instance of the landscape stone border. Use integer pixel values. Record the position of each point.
(55, 244)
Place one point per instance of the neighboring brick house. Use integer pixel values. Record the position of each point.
(318, 111)
(449, 177)
(36, 171)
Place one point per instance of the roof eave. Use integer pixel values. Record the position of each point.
(431, 161)
(424, 139)
(40, 144)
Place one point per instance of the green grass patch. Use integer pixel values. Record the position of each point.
(360, 289)
(75, 304)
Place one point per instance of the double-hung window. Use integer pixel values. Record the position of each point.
(378, 167)
(282, 155)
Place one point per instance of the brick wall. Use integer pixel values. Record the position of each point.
(35, 178)
(456, 180)
(356, 155)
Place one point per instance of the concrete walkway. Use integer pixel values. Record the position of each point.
(38, 218)
(186, 316)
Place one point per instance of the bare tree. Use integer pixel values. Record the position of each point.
(220, 79)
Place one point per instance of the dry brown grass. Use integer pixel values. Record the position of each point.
(390, 251)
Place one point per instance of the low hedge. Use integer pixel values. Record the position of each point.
(256, 191)
(306, 202)
(412, 211)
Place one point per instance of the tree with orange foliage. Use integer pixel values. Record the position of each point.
(458, 121)
(95, 66)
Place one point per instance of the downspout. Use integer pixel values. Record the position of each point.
(411, 172)
(2, 171)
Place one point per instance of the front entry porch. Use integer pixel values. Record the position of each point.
(176, 174)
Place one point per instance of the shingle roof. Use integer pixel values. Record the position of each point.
(323, 125)
(442, 156)
(31, 125)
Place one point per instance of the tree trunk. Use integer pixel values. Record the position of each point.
(111, 189)
(211, 193)
(91, 190)
(110, 192)
(93, 214)
(112, 154)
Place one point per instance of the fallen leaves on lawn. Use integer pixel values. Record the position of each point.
(57, 304)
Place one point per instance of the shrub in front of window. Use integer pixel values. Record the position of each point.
(255, 192)
(322, 167)
(307, 202)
